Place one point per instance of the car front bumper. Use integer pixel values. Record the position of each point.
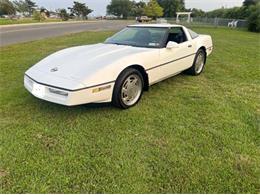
(96, 94)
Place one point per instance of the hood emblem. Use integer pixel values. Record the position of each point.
(54, 69)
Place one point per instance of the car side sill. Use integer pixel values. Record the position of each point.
(164, 78)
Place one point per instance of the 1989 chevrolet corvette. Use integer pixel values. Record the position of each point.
(121, 68)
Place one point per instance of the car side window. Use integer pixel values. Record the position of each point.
(193, 34)
(177, 35)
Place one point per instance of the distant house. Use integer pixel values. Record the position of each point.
(54, 15)
(11, 16)
(20, 15)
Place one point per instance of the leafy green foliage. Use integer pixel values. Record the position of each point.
(63, 14)
(26, 7)
(138, 8)
(248, 3)
(153, 9)
(120, 8)
(231, 13)
(31, 6)
(254, 18)
(80, 10)
(170, 7)
(38, 16)
(187, 135)
(21, 6)
(234, 13)
(7, 8)
(197, 12)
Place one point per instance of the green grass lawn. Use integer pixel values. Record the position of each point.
(187, 135)
(4, 21)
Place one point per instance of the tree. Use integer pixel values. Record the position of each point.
(248, 3)
(21, 7)
(254, 18)
(38, 16)
(137, 8)
(246, 8)
(80, 10)
(235, 12)
(217, 13)
(30, 6)
(120, 8)
(7, 8)
(63, 14)
(26, 7)
(170, 7)
(197, 13)
(153, 9)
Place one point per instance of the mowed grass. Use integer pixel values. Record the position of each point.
(187, 135)
(6, 21)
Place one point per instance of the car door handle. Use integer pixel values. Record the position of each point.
(189, 45)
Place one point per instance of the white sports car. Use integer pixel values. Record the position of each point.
(121, 68)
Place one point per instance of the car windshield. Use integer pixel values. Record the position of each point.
(139, 37)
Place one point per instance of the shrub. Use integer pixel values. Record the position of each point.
(63, 15)
(38, 16)
(254, 18)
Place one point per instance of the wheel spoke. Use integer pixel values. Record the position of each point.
(131, 90)
(124, 90)
(199, 63)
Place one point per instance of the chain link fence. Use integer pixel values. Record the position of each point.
(217, 22)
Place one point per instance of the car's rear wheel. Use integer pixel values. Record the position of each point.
(128, 89)
(198, 64)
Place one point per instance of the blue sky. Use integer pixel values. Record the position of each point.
(99, 6)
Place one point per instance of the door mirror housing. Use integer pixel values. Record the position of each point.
(172, 45)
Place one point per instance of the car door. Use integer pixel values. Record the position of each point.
(177, 59)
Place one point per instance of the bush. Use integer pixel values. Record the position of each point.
(254, 19)
(38, 16)
(63, 15)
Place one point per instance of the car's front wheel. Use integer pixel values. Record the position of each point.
(128, 88)
(198, 64)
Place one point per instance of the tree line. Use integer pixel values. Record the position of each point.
(29, 8)
(250, 10)
(154, 8)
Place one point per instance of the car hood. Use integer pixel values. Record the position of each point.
(83, 61)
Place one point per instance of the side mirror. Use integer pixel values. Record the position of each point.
(172, 45)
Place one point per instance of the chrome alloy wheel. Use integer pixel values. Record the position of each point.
(200, 62)
(131, 90)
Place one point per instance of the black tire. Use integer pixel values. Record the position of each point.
(192, 70)
(117, 99)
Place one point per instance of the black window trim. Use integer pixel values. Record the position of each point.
(169, 29)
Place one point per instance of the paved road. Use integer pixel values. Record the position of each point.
(24, 33)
